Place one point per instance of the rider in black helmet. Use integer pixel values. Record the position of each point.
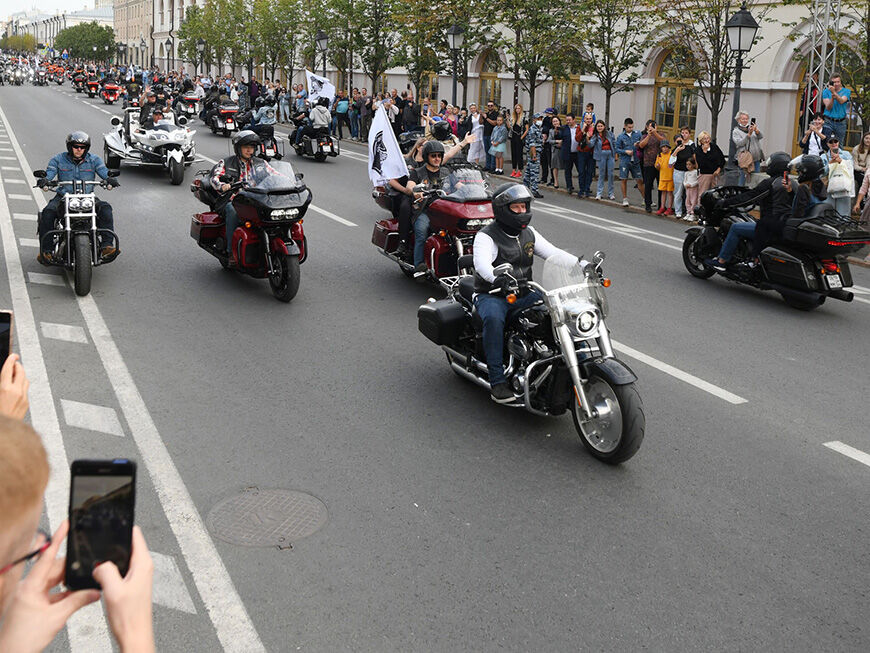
(508, 239)
(811, 190)
(774, 199)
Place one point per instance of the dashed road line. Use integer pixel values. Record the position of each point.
(14, 181)
(13, 196)
(169, 588)
(25, 217)
(46, 279)
(851, 452)
(28, 242)
(65, 332)
(91, 417)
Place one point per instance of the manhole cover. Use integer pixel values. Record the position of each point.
(267, 517)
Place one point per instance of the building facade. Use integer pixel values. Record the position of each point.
(45, 28)
(133, 29)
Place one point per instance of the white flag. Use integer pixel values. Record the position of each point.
(385, 156)
(319, 87)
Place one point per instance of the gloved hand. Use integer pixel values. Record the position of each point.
(41, 183)
(111, 182)
(502, 283)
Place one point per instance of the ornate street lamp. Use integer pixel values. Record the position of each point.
(200, 50)
(741, 29)
(168, 45)
(321, 40)
(455, 39)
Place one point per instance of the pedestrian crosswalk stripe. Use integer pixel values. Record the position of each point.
(65, 332)
(11, 168)
(28, 217)
(14, 181)
(91, 417)
(47, 279)
(169, 588)
(19, 197)
(28, 242)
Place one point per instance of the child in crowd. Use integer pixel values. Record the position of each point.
(31, 615)
(666, 180)
(590, 111)
(690, 182)
(498, 139)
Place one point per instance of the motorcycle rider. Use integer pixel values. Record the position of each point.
(507, 239)
(238, 168)
(155, 117)
(774, 199)
(264, 118)
(319, 118)
(148, 106)
(74, 164)
(811, 190)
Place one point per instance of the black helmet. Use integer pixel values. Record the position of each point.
(323, 101)
(778, 163)
(441, 130)
(245, 137)
(431, 147)
(809, 168)
(259, 102)
(78, 138)
(504, 196)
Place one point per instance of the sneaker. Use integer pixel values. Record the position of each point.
(661, 211)
(537, 194)
(648, 209)
(625, 201)
(420, 268)
(716, 264)
(669, 211)
(550, 183)
(611, 197)
(501, 393)
(598, 197)
(688, 218)
(45, 258)
(109, 252)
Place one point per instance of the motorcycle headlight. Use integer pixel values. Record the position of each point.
(586, 321)
(87, 204)
(278, 214)
(477, 223)
(75, 204)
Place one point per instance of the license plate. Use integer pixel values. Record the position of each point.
(834, 281)
(270, 152)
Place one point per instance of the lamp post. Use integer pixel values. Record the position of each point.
(168, 45)
(200, 50)
(95, 54)
(455, 38)
(321, 40)
(741, 28)
(106, 48)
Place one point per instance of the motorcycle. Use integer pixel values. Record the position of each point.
(457, 211)
(806, 264)
(168, 145)
(58, 78)
(225, 119)
(320, 146)
(110, 93)
(18, 77)
(189, 103)
(558, 353)
(269, 241)
(75, 239)
(93, 87)
(40, 78)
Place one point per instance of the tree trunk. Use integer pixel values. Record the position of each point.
(608, 93)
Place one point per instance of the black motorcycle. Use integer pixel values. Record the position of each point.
(74, 242)
(558, 354)
(806, 264)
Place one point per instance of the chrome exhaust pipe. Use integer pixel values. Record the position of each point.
(461, 371)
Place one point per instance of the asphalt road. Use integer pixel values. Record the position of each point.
(454, 524)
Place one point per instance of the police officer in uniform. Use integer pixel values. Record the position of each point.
(508, 239)
(533, 150)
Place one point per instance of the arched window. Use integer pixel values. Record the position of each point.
(490, 85)
(676, 98)
(568, 96)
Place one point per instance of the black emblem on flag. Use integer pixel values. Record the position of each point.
(316, 85)
(379, 153)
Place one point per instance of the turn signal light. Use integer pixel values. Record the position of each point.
(247, 225)
(442, 233)
(830, 267)
(511, 299)
(606, 283)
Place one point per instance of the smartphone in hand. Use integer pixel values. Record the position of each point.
(101, 501)
(5, 335)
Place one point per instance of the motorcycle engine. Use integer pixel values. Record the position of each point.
(520, 347)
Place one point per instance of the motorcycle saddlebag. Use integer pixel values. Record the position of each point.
(794, 269)
(825, 232)
(206, 226)
(385, 235)
(441, 321)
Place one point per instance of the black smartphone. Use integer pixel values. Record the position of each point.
(5, 335)
(752, 121)
(101, 500)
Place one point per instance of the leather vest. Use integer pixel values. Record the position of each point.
(519, 251)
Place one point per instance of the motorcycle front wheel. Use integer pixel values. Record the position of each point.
(83, 264)
(285, 281)
(176, 172)
(693, 259)
(616, 434)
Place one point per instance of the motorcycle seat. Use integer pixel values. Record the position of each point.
(466, 288)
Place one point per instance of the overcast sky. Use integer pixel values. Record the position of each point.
(8, 7)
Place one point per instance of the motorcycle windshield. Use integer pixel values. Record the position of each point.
(272, 177)
(568, 288)
(465, 185)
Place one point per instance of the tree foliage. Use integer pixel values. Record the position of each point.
(423, 43)
(81, 40)
(19, 43)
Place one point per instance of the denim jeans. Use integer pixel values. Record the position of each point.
(741, 179)
(354, 124)
(842, 204)
(569, 170)
(584, 173)
(284, 114)
(421, 233)
(490, 159)
(735, 233)
(839, 128)
(494, 311)
(232, 221)
(679, 192)
(605, 170)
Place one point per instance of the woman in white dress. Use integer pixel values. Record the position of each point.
(476, 153)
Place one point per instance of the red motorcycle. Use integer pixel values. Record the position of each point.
(269, 241)
(110, 93)
(457, 211)
(93, 86)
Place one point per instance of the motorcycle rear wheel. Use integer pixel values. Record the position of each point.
(83, 265)
(692, 258)
(285, 281)
(320, 157)
(800, 304)
(616, 436)
(176, 172)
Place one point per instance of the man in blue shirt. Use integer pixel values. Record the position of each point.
(75, 164)
(629, 164)
(836, 99)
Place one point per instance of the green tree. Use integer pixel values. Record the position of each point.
(19, 43)
(476, 37)
(191, 30)
(375, 36)
(81, 40)
(422, 43)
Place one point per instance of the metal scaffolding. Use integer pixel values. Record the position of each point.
(823, 54)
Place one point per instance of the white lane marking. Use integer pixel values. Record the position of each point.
(27, 217)
(701, 384)
(231, 621)
(46, 279)
(13, 196)
(14, 181)
(169, 588)
(6, 149)
(8, 158)
(65, 332)
(87, 628)
(28, 242)
(225, 608)
(91, 417)
(331, 216)
(851, 452)
(860, 299)
(861, 289)
(613, 227)
(311, 207)
(10, 168)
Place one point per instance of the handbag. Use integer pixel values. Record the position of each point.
(839, 178)
(745, 161)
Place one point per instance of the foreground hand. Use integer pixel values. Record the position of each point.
(469, 138)
(128, 599)
(13, 388)
(36, 616)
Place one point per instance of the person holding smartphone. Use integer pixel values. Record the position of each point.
(836, 99)
(650, 144)
(31, 613)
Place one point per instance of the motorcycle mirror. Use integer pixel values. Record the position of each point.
(39, 174)
(114, 172)
(504, 268)
(115, 121)
(598, 257)
(299, 176)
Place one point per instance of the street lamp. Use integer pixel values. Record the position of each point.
(741, 28)
(168, 45)
(455, 38)
(321, 40)
(200, 50)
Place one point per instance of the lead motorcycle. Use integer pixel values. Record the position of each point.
(806, 264)
(270, 241)
(558, 354)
